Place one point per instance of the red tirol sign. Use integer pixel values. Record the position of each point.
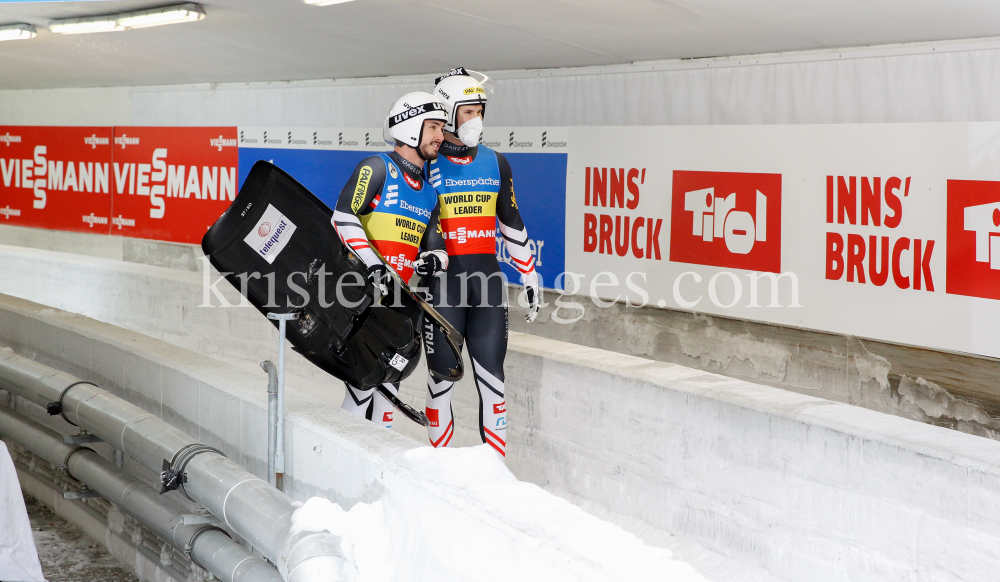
(726, 219)
(56, 177)
(172, 183)
(973, 257)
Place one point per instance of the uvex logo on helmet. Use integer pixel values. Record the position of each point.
(415, 111)
(452, 73)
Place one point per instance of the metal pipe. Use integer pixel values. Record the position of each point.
(256, 511)
(279, 448)
(208, 546)
(279, 459)
(272, 418)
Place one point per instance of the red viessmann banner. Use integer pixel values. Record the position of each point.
(172, 183)
(56, 177)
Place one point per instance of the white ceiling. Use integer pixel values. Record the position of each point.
(278, 40)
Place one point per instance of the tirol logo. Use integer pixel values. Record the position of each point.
(93, 141)
(727, 219)
(500, 408)
(264, 229)
(415, 184)
(551, 144)
(221, 142)
(973, 256)
(8, 139)
(125, 140)
(463, 161)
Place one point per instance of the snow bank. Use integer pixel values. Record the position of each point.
(476, 476)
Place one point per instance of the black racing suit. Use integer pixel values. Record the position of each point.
(472, 293)
(378, 242)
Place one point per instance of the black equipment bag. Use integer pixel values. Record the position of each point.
(276, 245)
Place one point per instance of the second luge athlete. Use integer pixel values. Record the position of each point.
(475, 191)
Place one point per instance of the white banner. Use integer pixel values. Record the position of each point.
(534, 140)
(886, 231)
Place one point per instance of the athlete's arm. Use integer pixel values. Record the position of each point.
(357, 198)
(515, 235)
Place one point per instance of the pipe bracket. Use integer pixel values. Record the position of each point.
(54, 408)
(173, 476)
(65, 464)
(189, 547)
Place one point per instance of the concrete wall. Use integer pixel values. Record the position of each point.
(334, 455)
(953, 390)
(784, 481)
(806, 488)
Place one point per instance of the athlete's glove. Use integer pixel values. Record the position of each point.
(533, 293)
(380, 278)
(429, 263)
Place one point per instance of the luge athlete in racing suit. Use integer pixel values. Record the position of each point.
(387, 211)
(475, 189)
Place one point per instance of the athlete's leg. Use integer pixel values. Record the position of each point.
(382, 409)
(440, 357)
(357, 401)
(486, 338)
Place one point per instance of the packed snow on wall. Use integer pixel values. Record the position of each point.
(378, 538)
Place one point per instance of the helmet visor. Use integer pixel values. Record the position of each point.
(486, 82)
(386, 134)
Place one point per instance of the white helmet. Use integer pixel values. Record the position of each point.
(405, 121)
(462, 87)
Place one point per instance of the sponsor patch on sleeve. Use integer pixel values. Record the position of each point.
(361, 188)
(271, 233)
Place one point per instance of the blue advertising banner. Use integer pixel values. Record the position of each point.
(540, 187)
(322, 161)
(323, 172)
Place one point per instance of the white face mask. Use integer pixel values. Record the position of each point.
(469, 132)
